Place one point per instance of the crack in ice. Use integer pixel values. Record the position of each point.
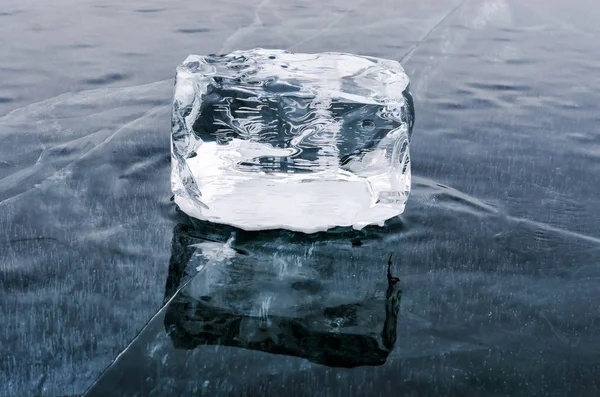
(415, 46)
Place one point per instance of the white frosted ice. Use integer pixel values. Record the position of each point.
(266, 139)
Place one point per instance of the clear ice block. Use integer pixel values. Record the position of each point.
(268, 139)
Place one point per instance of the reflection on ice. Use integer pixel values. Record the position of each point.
(252, 295)
(277, 302)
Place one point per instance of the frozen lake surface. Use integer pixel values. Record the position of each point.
(497, 251)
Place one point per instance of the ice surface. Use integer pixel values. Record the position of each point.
(267, 139)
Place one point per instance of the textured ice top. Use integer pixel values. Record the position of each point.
(354, 78)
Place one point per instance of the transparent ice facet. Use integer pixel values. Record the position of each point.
(268, 139)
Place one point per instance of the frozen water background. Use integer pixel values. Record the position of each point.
(500, 242)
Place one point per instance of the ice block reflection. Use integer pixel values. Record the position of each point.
(275, 294)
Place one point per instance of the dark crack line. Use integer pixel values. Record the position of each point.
(20, 240)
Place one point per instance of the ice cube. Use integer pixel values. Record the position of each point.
(267, 139)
